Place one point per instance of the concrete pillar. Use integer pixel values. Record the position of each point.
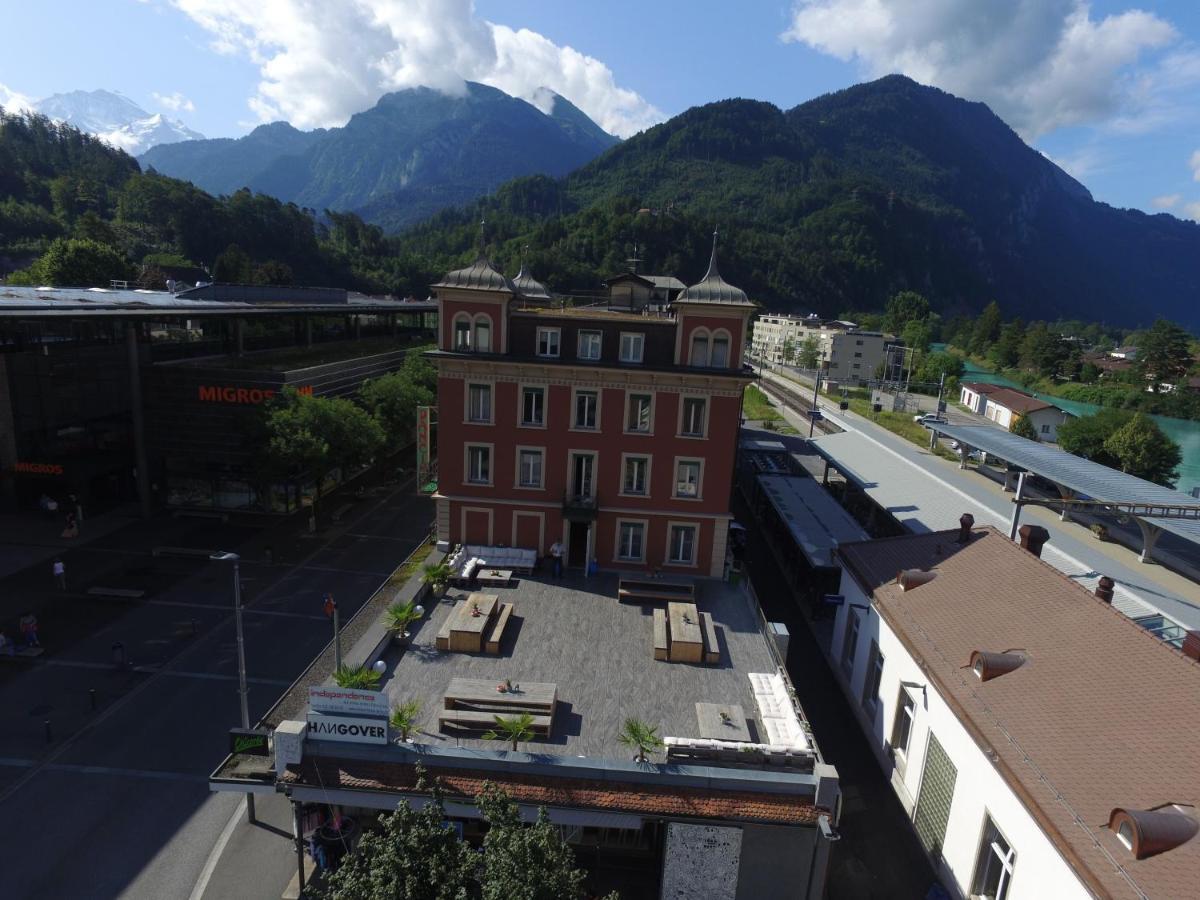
(1066, 494)
(141, 459)
(357, 327)
(1150, 535)
(825, 476)
(307, 331)
(239, 337)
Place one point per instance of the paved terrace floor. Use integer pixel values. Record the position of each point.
(599, 652)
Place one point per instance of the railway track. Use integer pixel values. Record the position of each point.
(797, 399)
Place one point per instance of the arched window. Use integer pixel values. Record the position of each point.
(718, 356)
(462, 334)
(483, 334)
(699, 353)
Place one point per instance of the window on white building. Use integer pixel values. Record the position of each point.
(906, 711)
(994, 866)
(870, 694)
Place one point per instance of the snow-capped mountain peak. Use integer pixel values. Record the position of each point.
(116, 119)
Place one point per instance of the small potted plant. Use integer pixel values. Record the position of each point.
(726, 719)
(399, 616)
(404, 718)
(475, 613)
(437, 576)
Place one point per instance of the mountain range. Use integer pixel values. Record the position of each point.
(837, 204)
(116, 119)
(415, 152)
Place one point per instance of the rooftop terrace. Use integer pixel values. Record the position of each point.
(599, 653)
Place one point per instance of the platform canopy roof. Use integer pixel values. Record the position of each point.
(1082, 477)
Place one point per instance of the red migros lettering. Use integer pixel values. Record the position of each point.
(227, 394)
(33, 468)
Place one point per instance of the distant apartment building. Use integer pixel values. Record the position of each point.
(1041, 746)
(845, 353)
(610, 430)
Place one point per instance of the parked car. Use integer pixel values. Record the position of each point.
(927, 419)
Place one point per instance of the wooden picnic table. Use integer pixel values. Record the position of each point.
(529, 696)
(683, 626)
(467, 630)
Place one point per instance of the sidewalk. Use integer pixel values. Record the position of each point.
(30, 537)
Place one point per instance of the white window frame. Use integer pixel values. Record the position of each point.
(626, 458)
(906, 719)
(520, 483)
(575, 394)
(680, 461)
(484, 320)
(699, 334)
(491, 468)
(720, 334)
(545, 392)
(491, 403)
(589, 333)
(987, 855)
(635, 339)
(619, 543)
(672, 560)
(683, 404)
(548, 333)
(455, 345)
(629, 395)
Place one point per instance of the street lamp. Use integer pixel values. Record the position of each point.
(226, 556)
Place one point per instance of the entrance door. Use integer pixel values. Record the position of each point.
(577, 542)
(581, 475)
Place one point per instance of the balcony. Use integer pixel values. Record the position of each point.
(580, 508)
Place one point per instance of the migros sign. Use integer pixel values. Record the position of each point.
(211, 393)
(35, 468)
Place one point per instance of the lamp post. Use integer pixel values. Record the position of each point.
(226, 556)
(812, 418)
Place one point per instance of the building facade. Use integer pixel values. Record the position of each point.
(845, 353)
(1005, 406)
(983, 680)
(612, 432)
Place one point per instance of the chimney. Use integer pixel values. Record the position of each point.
(1104, 589)
(1033, 538)
(965, 522)
(911, 578)
(1191, 645)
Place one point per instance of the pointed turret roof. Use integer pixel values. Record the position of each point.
(481, 275)
(528, 286)
(712, 289)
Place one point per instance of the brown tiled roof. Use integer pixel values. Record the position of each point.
(1101, 715)
(875, 563)
(576, 793)
(980, 387)
(1017, 401)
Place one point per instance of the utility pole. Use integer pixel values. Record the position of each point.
(937, 410)
(331, 610)
(225, 556)
(812, 417)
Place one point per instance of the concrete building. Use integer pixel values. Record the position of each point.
(610, 430)
(1005, 405)
(973, 395)
(846, 354)
(1011, 709)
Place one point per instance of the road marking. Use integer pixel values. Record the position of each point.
(224, 611)
(155, 670)
(84, 769)
(214, 856)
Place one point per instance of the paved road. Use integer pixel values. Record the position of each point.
(1072, 547)
(117, 805)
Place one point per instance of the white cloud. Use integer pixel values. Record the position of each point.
(1166, 201)
(175, 102)
(1192, 211)
(321, 61)
(14, 102)
(1039, 64)
(1194, 162)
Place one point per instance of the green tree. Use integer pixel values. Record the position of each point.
(80, 263)
(1164, 354)
(414, 855)
(1086, 435)
(233, 266)
(524, 862)
(273, 272)
(1043, 350)
(935, 365)
(903, 308)
(1023, 427)
(393, 400)
(1142, 449)
(809, 355)
(1006, 352)
(917, 333)
(787, 351)
(987, 328)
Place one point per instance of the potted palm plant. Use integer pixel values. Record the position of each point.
(511, 728)
(399, 616)
(641, 737)
(357, 677)
(404, 718)
(437, 576)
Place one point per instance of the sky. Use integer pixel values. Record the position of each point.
(1110, 90)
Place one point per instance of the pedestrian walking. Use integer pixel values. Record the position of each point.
(29, 630)
(7, 647)
(72, 527)
(329, 605)
(74, 504)
(556, 554)
(60, 574)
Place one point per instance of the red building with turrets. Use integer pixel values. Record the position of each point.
(612, 431)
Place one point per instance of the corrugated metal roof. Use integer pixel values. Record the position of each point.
(817, 522)
(1082, 476)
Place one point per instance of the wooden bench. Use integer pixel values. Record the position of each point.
(712, 650)
(632, 590)
(472, 720)
(497, 633)
(442, 642)
(660, 633)
(341, 511)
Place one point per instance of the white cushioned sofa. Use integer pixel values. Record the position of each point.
(467, 560)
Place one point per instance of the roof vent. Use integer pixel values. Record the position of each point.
(987, 666)
(1104, 589)
(1191, 645)
(965, 522)
(1148, 832)
(911, 578)
(1033, 538)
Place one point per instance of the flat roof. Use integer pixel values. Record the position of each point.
(1100, 715)
(599, 652)
(59, 302)
(1079, 475)
(818, 523)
